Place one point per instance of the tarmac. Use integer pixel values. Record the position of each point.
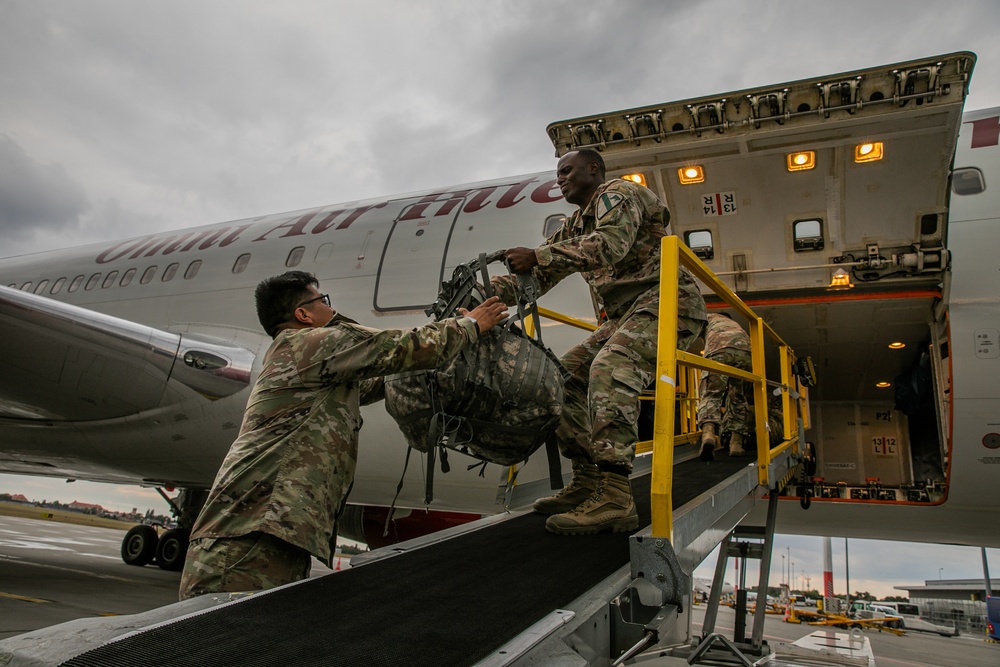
(51, 573)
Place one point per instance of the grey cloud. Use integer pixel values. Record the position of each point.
(36, 197)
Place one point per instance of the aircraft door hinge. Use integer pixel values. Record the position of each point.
(710, 116)
(587, 135)
(839, 94)
(645, 126)
(768, 105)
(907, 83)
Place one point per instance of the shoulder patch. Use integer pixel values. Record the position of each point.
(607, 202)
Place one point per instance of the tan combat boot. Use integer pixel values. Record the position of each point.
(708, 440)
(610, 508)
(585, 479)
(736, 445)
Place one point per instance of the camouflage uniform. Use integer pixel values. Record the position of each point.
(727, 343)
(615, 243)
(292, 466)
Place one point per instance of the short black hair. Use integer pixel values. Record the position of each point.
(277, 297)
(590, 155)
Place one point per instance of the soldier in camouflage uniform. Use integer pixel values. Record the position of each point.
(284, 482)
(613, 240)
(723, 400)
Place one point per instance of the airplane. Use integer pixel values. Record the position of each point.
(851, 211)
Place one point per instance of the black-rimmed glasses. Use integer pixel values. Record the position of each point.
(325, 298)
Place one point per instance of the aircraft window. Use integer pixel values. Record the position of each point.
(41, 286)
(57, 285)
(168, 273)
(967, 181)
(26, 286)
(701, 244)
(552, 223)
(127, 277)
(110, 280)
(192, 269)
(295, 256)
(75, 285)
(148, 274)
(807, 235)
(323, 252)
(241, 263)
(92, 283)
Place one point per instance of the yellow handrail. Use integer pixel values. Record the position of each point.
(677, 370)
(672, 253)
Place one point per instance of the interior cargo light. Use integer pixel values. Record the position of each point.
(869, 152)
(883, 384)
(841, 280)
(635, 178)
(897, 345)
(691, 174)
(800, 161)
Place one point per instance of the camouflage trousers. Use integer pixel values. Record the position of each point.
(722, 399)
(253, 562)
(608, 371)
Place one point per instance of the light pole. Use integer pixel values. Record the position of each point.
(782, 569)
(940, 569)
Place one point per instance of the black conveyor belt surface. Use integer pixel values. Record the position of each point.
(451, 603)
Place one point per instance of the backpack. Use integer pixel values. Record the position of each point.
(497, 401)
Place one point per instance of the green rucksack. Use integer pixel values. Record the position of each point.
(498, 401)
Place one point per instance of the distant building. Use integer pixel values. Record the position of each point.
(85, 507)
(19, 498)
(959, 603)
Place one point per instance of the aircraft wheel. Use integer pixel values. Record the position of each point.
(172, 549)
(140, 545)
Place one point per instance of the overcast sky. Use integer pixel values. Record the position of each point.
(121, 118)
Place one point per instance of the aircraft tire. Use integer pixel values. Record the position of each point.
(140, 545)
(171, 549)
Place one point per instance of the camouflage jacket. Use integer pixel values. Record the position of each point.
(723, 333)
(615, 243)
(290, 469)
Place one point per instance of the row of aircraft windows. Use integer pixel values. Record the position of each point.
(293, 259)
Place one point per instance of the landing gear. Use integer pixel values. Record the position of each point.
(143, 544)
(139, 545)
(172, 548)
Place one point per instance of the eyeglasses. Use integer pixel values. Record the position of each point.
(325, 298)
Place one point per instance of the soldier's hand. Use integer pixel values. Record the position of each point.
(487, 314)
(521, 260)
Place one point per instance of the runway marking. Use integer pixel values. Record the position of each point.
(23, 598)
(74, 571)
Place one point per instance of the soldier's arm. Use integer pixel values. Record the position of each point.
(508, 287)
(372, 390)
(352, 352)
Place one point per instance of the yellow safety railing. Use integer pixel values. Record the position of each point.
(670, 361)
(677, 381)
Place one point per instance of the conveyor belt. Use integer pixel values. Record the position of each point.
(450, 603)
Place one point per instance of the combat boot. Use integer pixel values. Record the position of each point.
(585, 480)
(708, 440)
(610, 508)
(736, 445)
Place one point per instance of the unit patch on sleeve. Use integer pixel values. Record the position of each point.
(607, 202)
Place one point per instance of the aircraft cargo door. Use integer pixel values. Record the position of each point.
(410, 269)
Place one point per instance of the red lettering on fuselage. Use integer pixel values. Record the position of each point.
(109, 255)
(316, 221)
(546, 193)
(985, 132)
